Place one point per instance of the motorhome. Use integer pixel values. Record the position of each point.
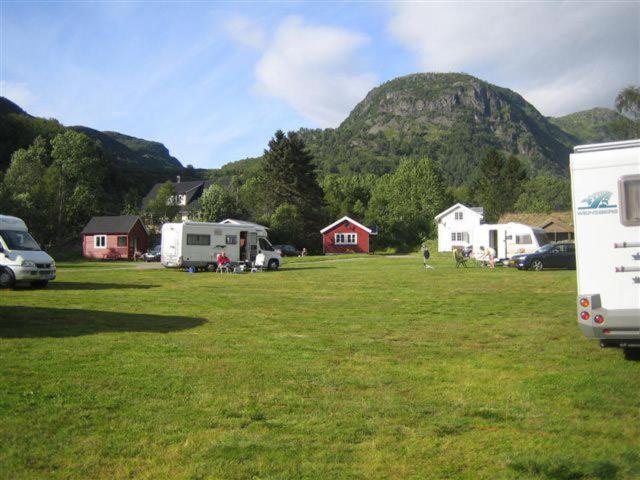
(197, 244)
(21, 258)
(508, 239)
(605, 189)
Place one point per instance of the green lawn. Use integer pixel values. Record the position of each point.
(368, 367)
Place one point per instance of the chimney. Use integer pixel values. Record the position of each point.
(178, 178)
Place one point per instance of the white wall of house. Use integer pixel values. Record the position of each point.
(456, 226)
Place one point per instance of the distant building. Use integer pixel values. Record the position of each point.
(557, 225)
(114, 238)
(346, 236)
(456, 226)
(187, 195)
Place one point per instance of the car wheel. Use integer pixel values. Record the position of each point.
(273, 264)
(537, 265)
(7, 279)
(40, 283)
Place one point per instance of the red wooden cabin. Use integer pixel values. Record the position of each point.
(346, 236)
(114, 238)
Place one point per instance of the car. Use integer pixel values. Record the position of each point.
(152, 255)
(551, 255)
(287, 250)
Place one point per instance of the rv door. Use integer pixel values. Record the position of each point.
(252, 245)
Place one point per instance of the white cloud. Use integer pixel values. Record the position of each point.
(313, 69)
(18, 93)
(562, 56)
(245, 32)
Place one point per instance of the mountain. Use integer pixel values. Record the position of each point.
(451, 117)
(593, 126)
(134, 164)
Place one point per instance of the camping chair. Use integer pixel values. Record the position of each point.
(226, 268)
(259, 262)
(461, 260)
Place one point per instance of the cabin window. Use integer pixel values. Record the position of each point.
(459, 215)
(201, 240)
(122, 241)
(231, 239)
(523, 239)
(629, 194)
(346, 239)
(100, 241)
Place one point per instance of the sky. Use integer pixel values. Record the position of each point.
(214, 80)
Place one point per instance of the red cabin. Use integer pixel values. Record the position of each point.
(114, 238)
(346, 236)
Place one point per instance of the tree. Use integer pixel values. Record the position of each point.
(287, 225)
(544, 193)
(498, 183)
(74, 183)
(348, 195)
(628, 104)
(288, 176)
(216, 204)
(403, 204)
(164, 206)
(23, 186)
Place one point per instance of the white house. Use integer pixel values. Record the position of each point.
(456, 226)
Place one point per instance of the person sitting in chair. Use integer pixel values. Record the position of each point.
(223, 260)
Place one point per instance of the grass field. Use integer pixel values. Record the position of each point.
(367, 367)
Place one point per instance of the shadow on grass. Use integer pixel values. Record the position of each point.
(292, 268)
(55, 285)
(35, 322)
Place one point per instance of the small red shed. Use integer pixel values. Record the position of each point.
(114, 238)
(346, 236)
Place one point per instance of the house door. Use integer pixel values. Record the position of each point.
(134, 244)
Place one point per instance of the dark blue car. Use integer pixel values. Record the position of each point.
(551, 255)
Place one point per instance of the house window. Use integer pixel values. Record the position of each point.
(346, 239)
(459, 215)
(201, 240)
(523, 239)
(629, 194)
(100, 241)
(231, 239)
(122, 241)
(459, 236)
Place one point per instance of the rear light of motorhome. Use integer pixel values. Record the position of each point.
(606, 331)
(585, 315)
(584, 302)
(599, 319)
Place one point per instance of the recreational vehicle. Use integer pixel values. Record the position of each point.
(197, 244)
(21, 258)
(508, 239)
(605, 186)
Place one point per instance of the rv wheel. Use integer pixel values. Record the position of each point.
(537, 265)
(7, 280)
(273, 264)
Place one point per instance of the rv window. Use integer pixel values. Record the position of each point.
(541, 238)
(629, 194)
(18, 240)
(231, 239)
(523, 239)
(217, 232)
(265, 245)
(193, 239)
(122, 241)
(100, 241)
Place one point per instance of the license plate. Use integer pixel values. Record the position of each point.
(44, 272)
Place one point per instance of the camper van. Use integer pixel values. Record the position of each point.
(197, 244)
(508, 239)
(605, 189)
(21, 258)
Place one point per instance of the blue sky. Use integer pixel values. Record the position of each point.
(214, 80)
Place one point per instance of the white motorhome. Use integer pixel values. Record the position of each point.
(508, 239)
(21, 258)
(197, 244)
(605, 186)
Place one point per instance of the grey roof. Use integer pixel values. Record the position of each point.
(114, 224)
(479, 210)
(192, 190)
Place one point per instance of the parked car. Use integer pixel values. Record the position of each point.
(287, 250)
(551, 255)
(152, 255)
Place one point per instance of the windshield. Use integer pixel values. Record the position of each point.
(546, 248)
(19, 240)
